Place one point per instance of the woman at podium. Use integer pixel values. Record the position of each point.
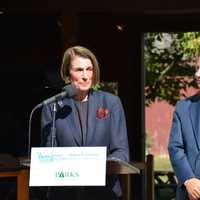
(89, 118)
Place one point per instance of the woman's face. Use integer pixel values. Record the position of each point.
(81, 73)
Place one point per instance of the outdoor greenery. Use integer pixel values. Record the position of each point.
(107, 86)
(169, 60)
(162, 163)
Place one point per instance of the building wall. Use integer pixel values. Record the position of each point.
(158, 118)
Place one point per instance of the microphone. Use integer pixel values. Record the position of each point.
(68, 91)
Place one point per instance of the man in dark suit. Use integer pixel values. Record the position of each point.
(184, 145)
(91, 118)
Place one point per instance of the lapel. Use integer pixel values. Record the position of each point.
(195, 118)
(92, 105)
(72, 122)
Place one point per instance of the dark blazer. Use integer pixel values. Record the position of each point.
(106, 126)
(184, 142)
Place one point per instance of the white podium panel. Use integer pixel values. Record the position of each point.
(68, 166)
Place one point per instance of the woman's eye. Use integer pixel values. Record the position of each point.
(89, 69)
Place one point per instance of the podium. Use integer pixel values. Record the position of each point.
(125, 169)
(11, 167)
(120, 167)
(117, 166)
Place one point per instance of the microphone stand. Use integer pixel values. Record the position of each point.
(70, 91)
(53, 128)
(26, 161)
(29, 129)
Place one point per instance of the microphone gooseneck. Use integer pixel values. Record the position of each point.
(68, 91)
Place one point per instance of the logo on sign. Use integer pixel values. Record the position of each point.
(66, 174)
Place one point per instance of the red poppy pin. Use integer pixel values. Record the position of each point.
(102, 113)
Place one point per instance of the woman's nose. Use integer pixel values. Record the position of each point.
(85, 74)
(197, 74)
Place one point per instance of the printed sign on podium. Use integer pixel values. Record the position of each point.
(68, 166)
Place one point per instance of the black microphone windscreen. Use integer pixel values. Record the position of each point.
(70, 90)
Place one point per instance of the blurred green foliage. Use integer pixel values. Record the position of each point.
(169, 61)
(111, 87)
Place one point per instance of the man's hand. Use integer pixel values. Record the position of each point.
(193, 188)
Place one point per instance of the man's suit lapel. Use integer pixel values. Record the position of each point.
(195, 118)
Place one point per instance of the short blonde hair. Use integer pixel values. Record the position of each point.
(82, 52)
